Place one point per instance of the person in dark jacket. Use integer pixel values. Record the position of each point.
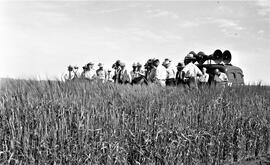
(178, 78)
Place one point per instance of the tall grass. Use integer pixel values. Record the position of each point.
(50, 122)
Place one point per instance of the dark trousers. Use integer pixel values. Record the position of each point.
(192, 83)
(170, 82)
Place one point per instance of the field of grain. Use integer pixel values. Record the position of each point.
(50, 122)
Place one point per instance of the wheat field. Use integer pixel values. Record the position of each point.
(51, 122)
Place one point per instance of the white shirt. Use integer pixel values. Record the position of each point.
(221, 78)
(170, 72)
(204, 77)
(191, 70)
(109, 77)
(69, 75)
(101, 74)
(90, 74)
(140, 73)
(161, 73)
(133, 74)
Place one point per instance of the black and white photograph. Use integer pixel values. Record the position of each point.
(135, 82)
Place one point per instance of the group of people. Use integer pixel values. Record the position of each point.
(163, 74)
(88, 73)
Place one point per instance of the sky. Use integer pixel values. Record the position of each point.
(39, 39)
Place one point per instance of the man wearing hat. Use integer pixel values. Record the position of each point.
(133, 73)
(109, 76)
(101, 73)
(158, 73)
(203, 80)
(190, 72)
(151, 67)
(90, 73)
(76, 72)
(116, 67)
(82, 76)
(69, 75)
(178, 77)
(170, 75)
(123, 77)
(148, 66)
(139, 70)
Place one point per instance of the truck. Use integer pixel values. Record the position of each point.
(222, 61)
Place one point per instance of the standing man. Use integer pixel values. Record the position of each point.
(140, 72)
(170, 75)
(133, 73)
(158, 73)
(149, 66)
(76, 72)
(69, 75)
(109, 76)
(83, 72)
(190, 72)
(90, 74)
(203, 80)
(117, 69)
(124, 77)
(178, 77)
(140, 76)
(101, 73)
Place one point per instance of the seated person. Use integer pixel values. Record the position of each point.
(220, 77)
(203, 79)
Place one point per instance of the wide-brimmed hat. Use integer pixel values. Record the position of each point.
(138, 64)
(192, 52)
(122, 64)
(155, 60)
(180, 65)
(70, 67)
(190, 56)
(134, 64)
(100, 64)
(166, 61)
(117, 62)
(90, 63)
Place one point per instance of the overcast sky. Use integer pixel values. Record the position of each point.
(39, 39)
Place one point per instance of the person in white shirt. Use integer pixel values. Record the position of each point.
(158, 73)
(203, 79)
(101, 73)
(191, 72)
(90, 74)
(69, 75)
(220, 78)
(170, 75)
(133, 73)
(109, 76)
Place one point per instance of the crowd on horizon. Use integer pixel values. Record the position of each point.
(163, 74)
